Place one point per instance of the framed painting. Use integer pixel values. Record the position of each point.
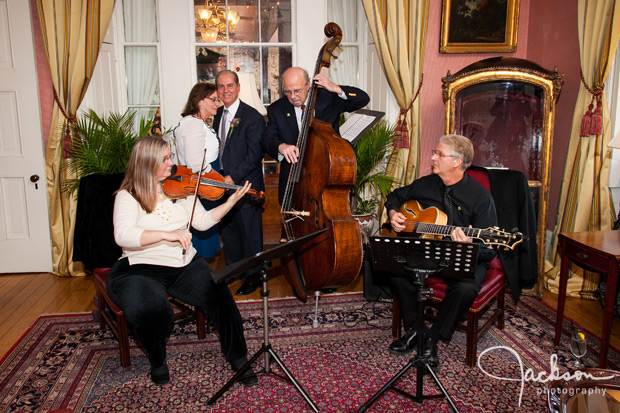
(479, 26)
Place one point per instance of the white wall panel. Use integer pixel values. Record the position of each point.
(6, 55)
(10, 143)
(15, 207)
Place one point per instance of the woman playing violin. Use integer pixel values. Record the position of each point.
(158, 259)
(193, 136)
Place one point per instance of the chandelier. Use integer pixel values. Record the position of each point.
(211, 22)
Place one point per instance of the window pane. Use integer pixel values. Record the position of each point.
(243, 21)
(142, 113)
(275, 61)
(245, 59)
(344, 70)
(212, 59)
(276, 21)
(344, 13)
(140, 18)
(142, 75)
(209, 61)
(212, 21)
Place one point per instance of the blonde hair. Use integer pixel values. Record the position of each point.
(146, 158)
(461, 148)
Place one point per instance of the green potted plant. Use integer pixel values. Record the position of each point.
(372, 183)
(99, 149)
(101, 145)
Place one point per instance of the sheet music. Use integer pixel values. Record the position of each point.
(358, 123)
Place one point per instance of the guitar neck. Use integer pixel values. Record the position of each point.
(446, 230)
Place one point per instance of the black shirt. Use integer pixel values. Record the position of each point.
(472, 203)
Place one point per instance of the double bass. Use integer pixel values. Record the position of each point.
(317, 196)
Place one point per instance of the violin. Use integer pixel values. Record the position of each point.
(182, 182)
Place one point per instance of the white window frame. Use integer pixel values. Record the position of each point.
(120, 53)
(260, 45)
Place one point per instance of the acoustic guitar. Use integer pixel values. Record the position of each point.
(431, 222)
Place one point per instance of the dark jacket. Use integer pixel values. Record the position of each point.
(243, 155)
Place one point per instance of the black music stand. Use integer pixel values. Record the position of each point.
(418, 257)
(263, 260)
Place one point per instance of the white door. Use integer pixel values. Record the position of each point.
(24, 223)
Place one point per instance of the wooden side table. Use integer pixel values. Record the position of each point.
(596, 251)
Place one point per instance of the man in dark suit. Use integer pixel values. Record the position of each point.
(240, 128)
(285, 115)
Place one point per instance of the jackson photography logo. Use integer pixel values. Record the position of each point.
(528, 375)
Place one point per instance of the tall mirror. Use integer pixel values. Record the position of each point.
(506, 107)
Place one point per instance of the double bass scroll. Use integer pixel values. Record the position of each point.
(317, 196)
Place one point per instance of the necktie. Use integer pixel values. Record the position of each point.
(303, 110)
(223, 125)
(447, 204)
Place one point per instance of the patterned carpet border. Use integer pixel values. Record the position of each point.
(65, 363)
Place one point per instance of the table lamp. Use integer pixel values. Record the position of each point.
(249, 93)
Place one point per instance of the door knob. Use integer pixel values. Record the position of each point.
(35, 179)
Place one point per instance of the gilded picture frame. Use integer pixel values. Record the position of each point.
(479, 26)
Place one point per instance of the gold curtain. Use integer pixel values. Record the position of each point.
(398, 28)
(584, 200)
(73, 31)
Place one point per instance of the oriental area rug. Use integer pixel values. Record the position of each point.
(66, 363)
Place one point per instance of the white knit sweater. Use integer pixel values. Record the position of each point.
(130, 220)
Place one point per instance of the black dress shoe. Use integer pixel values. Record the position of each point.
(405, 344)
(160, 375)
(248, 378)
(250, 285)
(430, 352)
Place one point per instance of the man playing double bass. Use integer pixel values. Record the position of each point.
(466, 203)
(285, 115)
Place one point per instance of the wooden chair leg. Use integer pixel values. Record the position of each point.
(100, 309)
(200, 324)
(123, 340)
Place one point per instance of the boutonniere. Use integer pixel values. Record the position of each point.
(233, 124)
(288, 115)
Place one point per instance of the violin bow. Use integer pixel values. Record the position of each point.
(191, 218)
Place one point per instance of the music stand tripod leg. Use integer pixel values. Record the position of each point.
(419, 361)
(267, 350)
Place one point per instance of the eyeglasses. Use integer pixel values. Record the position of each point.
(296, 91)
(214, 100)
(169, 158)
(441, 155)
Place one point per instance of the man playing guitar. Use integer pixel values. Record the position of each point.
(466, 204)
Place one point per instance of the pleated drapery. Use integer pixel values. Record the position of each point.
(72, 31)
(398, 28)
(584, 199)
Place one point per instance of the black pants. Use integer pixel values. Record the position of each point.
(459, 297)
(141, 292)
(242, 235)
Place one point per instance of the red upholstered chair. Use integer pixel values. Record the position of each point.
(493, 287)
(113, 316)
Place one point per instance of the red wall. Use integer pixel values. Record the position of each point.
(555, 43)
(547, 35)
